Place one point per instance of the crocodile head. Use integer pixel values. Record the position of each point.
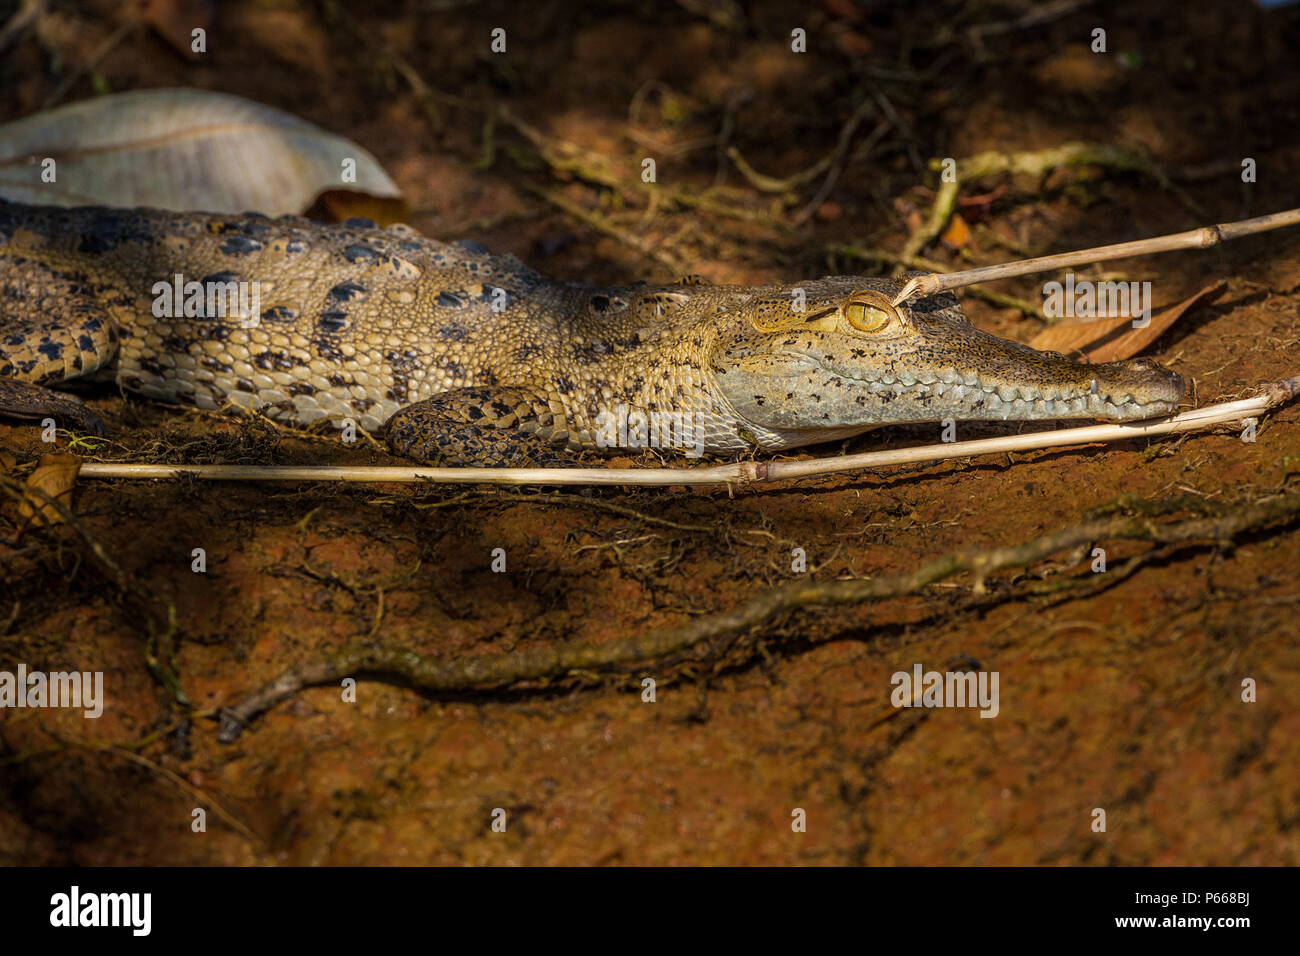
(832, 358)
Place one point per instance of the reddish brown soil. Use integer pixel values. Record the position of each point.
(1127, 700)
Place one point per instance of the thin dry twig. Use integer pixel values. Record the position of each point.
(1023, 306)
(1202, 238)
(28, 12)
(602, 225)
(181, 783)
(554, 499)
(124, 29)
(130, 751)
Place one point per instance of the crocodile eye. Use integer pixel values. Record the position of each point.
(866, 318)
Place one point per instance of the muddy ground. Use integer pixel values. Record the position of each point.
(1123, 694)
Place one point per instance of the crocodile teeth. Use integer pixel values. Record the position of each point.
(1007, 401)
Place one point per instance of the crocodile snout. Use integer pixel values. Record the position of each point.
(1144, 380)
(1169, 381)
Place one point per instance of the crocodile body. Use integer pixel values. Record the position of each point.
(463, 357)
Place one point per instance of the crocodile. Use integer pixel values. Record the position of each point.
(461, 357)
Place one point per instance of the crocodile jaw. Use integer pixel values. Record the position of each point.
(808, 391)
(1117, 392)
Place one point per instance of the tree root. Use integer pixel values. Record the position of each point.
(566, 658)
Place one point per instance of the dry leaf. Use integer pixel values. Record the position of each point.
(1112, 339)
(957, 235)
(829, 212)
(7, 462)
(183, 149)
(336, 205)
(55, 475)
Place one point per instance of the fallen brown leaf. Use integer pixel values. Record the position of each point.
(336, 205)
(829, 211)
(55, 475)
(1112, 339)
(957, 235)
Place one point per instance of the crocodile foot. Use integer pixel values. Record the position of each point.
(35, 402)
(476, 427)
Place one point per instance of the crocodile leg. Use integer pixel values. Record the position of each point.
(34, 402)
(468, 427)
(51, 330)
(35, 353)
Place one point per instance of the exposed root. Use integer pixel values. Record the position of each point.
(565, 658)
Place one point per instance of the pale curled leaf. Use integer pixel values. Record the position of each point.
(1114, 338)
(55, 475)
(184, 149)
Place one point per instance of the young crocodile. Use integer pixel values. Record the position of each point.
(462, 357)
